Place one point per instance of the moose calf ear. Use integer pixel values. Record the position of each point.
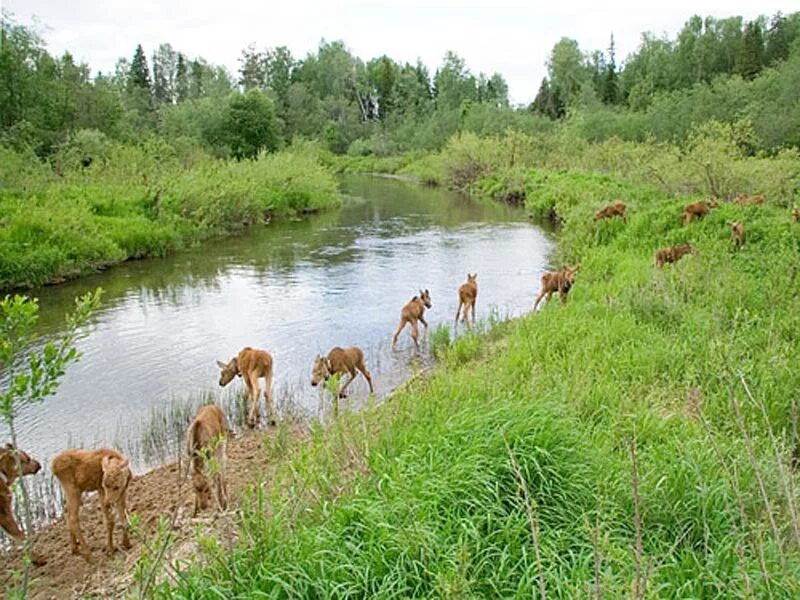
(221, 364)
(124, 463)
(104, 463)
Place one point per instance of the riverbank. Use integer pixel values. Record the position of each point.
(638, 438)
(140, 202)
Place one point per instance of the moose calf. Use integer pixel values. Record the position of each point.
(796, 214)
(673, 254)
(105, 471)
(13, 463)
(467, 296)
(745, 199)
(560, 281)
(695, 210)
(737, 233)
(340, 360)
(611, 211)
(412, 312)
(206, 437)
(251, 364)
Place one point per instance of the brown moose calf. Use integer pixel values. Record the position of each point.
(695, 210)
(737, 234)
(467, 297)
(673, 254)
(207, 437)
(560, 281)
(251, 365)
(611, 211)
(13, 463)
(412, 312)
(340, 361)
(105, 471)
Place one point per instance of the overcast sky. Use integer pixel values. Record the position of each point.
(513, 38)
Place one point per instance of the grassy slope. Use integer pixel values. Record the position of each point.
(141, 205)
(421, 497)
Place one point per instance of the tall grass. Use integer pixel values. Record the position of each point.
(635, 441)
(139, 203)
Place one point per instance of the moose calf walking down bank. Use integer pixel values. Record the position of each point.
(673, 254)
(412, 312)
(560, 281)
(611, 211)
(13, 463)
(340, 361)
(467, 296)
(207, 437)
(105, 471)
(251, 365)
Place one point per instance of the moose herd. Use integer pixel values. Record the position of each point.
(107, 472)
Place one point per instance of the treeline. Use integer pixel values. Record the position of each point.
(726, 70)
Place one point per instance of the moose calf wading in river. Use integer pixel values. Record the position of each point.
(207, 437)
(412, 312)
(13, 463)
(560, 281)
(251, 364)
(340, 361)
(467, 297)
(105, 471)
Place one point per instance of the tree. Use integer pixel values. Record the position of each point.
(249, 125)
(751, 55)
(139, 74)
(34, 374)
(567, 71)
(608, 89)
(165, 61)
(252, 72)
(453, 83)
(181, 79)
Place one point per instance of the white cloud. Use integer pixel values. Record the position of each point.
(513, 38)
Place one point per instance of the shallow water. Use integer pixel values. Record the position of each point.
(293, 288)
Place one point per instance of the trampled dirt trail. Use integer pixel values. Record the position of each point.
(158, 493)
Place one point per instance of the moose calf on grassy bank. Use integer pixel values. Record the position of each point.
(467, 296)
(611, 211)
(673, 254)
(13, 463)
(796, 214)
(105, 471)
(737, 233)
(207, 437)
(251, 365)
(696, 210)
(560, 281)
(412, 312)
(340, 361)
(745, 199)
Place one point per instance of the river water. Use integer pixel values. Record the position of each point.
(293, 288)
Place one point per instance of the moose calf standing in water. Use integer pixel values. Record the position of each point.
(340, 361)
(105, 471)
(206, 437)
(251, 364)
(673, 254)
(411, 313)
(560, 281)
(467, 296)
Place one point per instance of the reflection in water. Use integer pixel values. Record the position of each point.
(294, 288)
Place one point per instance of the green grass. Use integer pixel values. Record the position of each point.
(135, 206)
(510, 470)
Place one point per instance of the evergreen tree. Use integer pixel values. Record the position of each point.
(139, 74)
(609, 88)
(751, 55)
(252, 72)
(779, 40)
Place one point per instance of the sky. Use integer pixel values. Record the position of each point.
(512, 38)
